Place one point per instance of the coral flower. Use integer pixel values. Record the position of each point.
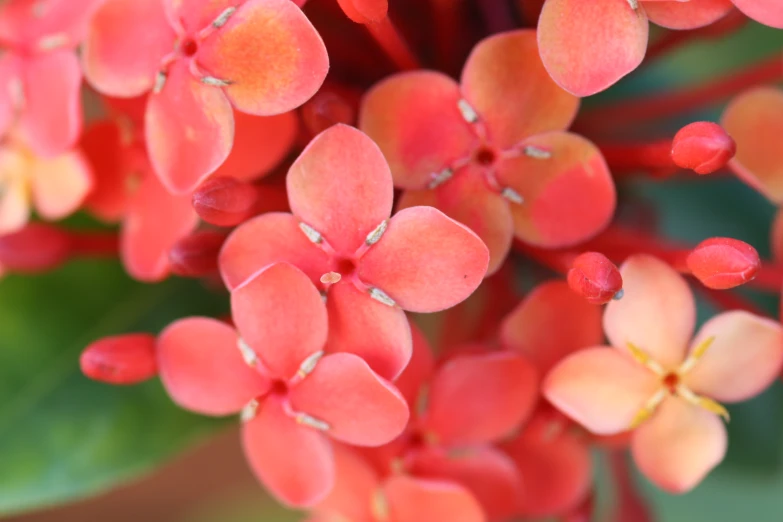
(293, 396)
(490, 152)
(40, 77)
(370, 267)
(55, 186)
(588, 46)
(652, 382)
(200, 58)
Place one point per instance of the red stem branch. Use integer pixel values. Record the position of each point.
(94, 244)
(393, 44)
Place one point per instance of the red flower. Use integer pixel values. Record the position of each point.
(371, 267)
(200, 58)
(40, 77)
(291, 394)
(491, 154)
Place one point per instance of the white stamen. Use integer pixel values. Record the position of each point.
(308, 365)
(311, 233)
(160, 81)
(52, 41)
(375, 236)
(331, 278)
(468, 112)
(536, 152)
(441, 177)
(380, 295)
(249, 411)
(248, 355)
(215, 82)
(512, 195)
(221, 20)
(307, 420)
(634, 4)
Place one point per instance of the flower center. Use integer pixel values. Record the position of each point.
(279, 387)
(188, 47)
(345, 267)
(671, 381)
(485, 156)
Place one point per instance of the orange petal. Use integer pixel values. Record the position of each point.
(743, 359)
(270, 54)
(505, 81)
(537, 330)
(415, 500)
(755, 119)
(356, 482)
(686, 15)
(14, 190)
(657, 312)
(189, 130)
(600, 388)
(467, 198)
(60, 184)
(679, 445)
(567, 196)
(767, 12)
(341, 164)
(588, 46)
(415, 120)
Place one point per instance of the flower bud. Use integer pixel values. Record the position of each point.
(595, 278)
(196, 255)
(703, 147)
(35, 248)
(364, 11)
(122, 359)
(224, 201)
(721, 262)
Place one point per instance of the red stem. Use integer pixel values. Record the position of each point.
(94, 244)
(447, 15)
(393, 44)
(653, 156)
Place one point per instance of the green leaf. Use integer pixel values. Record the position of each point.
(63, 436)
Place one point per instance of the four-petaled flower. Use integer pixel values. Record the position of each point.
(292, 394)
(491, 152)
(650, 382)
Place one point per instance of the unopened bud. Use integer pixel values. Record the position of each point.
(122, 359)
(196, 255)
(328, 107)
(364, 11)
(721, 262)
(37, 247)
(703, 147)
(595, 278)
(224, 201)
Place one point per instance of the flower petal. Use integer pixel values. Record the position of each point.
(195, 15)
(44, 24)
(189, 130)
(101, 143)
(10, 78)
(687, 15)
(60, 184)
(742, 361)
(415, 119)
(467, 198)
(588, 46)
(414, 500)
(475, 399)
(425, 261)
(202, 368)
(657, 312)
(536, 327)
(361, 325)
(125, 42)
(364, 11)
(356, 482)
(360, 407)
(767, 12)
(14, 197)
(294, 462)
(341, 186)
(155, 220)
(269, 238)
(679, 445)
(600, 388)
(487, 473)
(753, 119)
(270, 54)
(506, 83)
(259, 145)
(281, 317)
(411, 381)
(567, 196)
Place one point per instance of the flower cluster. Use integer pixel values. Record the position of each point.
(332, 169)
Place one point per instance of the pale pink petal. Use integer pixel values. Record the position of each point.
(281, 317)
(679, 445)
(686, 15)
(767, 12)
(356, 482)
(417, 500)
(10, 81)
(293, 461)
(341, 186)
(202, 368)
(194, 15)
(600, 388)
(657, 312)
(359, 407)
(43, 24)
(60, 184)
(744, 358)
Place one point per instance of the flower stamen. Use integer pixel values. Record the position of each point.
(649, 408)
(645, 359)
(703, 402)
(696, 354)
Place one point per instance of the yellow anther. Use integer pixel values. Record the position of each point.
(649, 408)
(696, 354)
(641, 416)
(644, 359)
(703, 402)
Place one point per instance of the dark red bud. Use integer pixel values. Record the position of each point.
(595, 278)
(122, 359)
(721, 262)
(196, 255)
(325, 109)
(37, 247)
(703, 147)
(224, 201)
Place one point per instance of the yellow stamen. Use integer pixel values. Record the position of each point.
(644, 359)
(380, 506)
(703, 402)
(648, 409)
(696, 354)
